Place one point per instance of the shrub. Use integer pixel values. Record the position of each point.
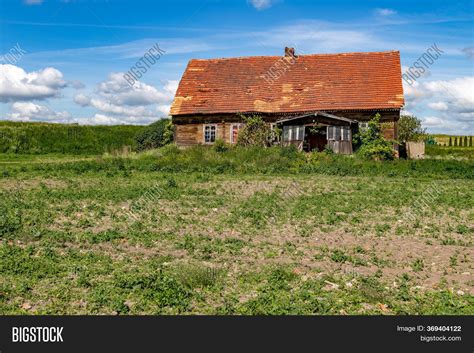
(255, 132)
(409, 129)
(156, 135)
(373, 145)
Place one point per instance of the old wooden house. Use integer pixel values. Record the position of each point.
(316, 100)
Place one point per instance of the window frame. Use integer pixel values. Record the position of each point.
(363, 126)
(239, 126)
(337, 133)
(295, 133)
(204, 133)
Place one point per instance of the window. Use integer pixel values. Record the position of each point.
(339, 133)
(345, 133)
(363, 125)
(210, 133)
(334, 133)
(293, 133)
(234, 132)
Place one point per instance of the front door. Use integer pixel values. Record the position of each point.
(317, 139)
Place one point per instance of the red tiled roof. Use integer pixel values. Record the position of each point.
(306, 83)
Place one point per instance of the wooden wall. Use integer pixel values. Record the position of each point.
(189, 129)
(341, 147)
(193, 134)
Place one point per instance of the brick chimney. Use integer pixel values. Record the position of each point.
(290, 52)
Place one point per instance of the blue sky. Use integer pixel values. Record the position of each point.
(64, 60)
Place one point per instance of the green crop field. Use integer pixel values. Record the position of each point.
(242, 231)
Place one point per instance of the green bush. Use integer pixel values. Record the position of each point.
(255, 132)
(155, 135)
(373, 145)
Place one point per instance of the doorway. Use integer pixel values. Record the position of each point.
(316, 138)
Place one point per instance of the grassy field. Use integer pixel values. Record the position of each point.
(42, 138)
(442, 152)
(239, 232)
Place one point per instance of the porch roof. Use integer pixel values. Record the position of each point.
(319, 117)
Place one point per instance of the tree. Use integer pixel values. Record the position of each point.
(410, 129)
(255, 132)
(465, 141)
(470, 141)
(374, 145)
(155, 135)
(455, 141)
(450, 142)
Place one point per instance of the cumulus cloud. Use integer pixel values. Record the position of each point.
(164, 108)
(118, 102)
(452, 99)
(438, 105)
(262, 4)
(82, 100)
(28, 111)
(118, 91)
(16, 84)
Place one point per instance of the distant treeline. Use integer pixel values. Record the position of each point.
(40, 138)
(453, 141)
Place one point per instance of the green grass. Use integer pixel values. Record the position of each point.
(270, 161)
(41, 138)
(450, 152)
(238, 232)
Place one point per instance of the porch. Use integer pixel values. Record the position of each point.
(313, 132)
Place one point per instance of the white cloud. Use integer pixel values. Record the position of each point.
(262, 4)
(118, 102)
(82, 100)
(102, 119)
(458, 92)
(385, 12)
(165, 108)
(28, 111)
(118, 91)
(16, 84)
(171, 86)
(453, 99)
(438, 105)
(444, 125)
(107, 107)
